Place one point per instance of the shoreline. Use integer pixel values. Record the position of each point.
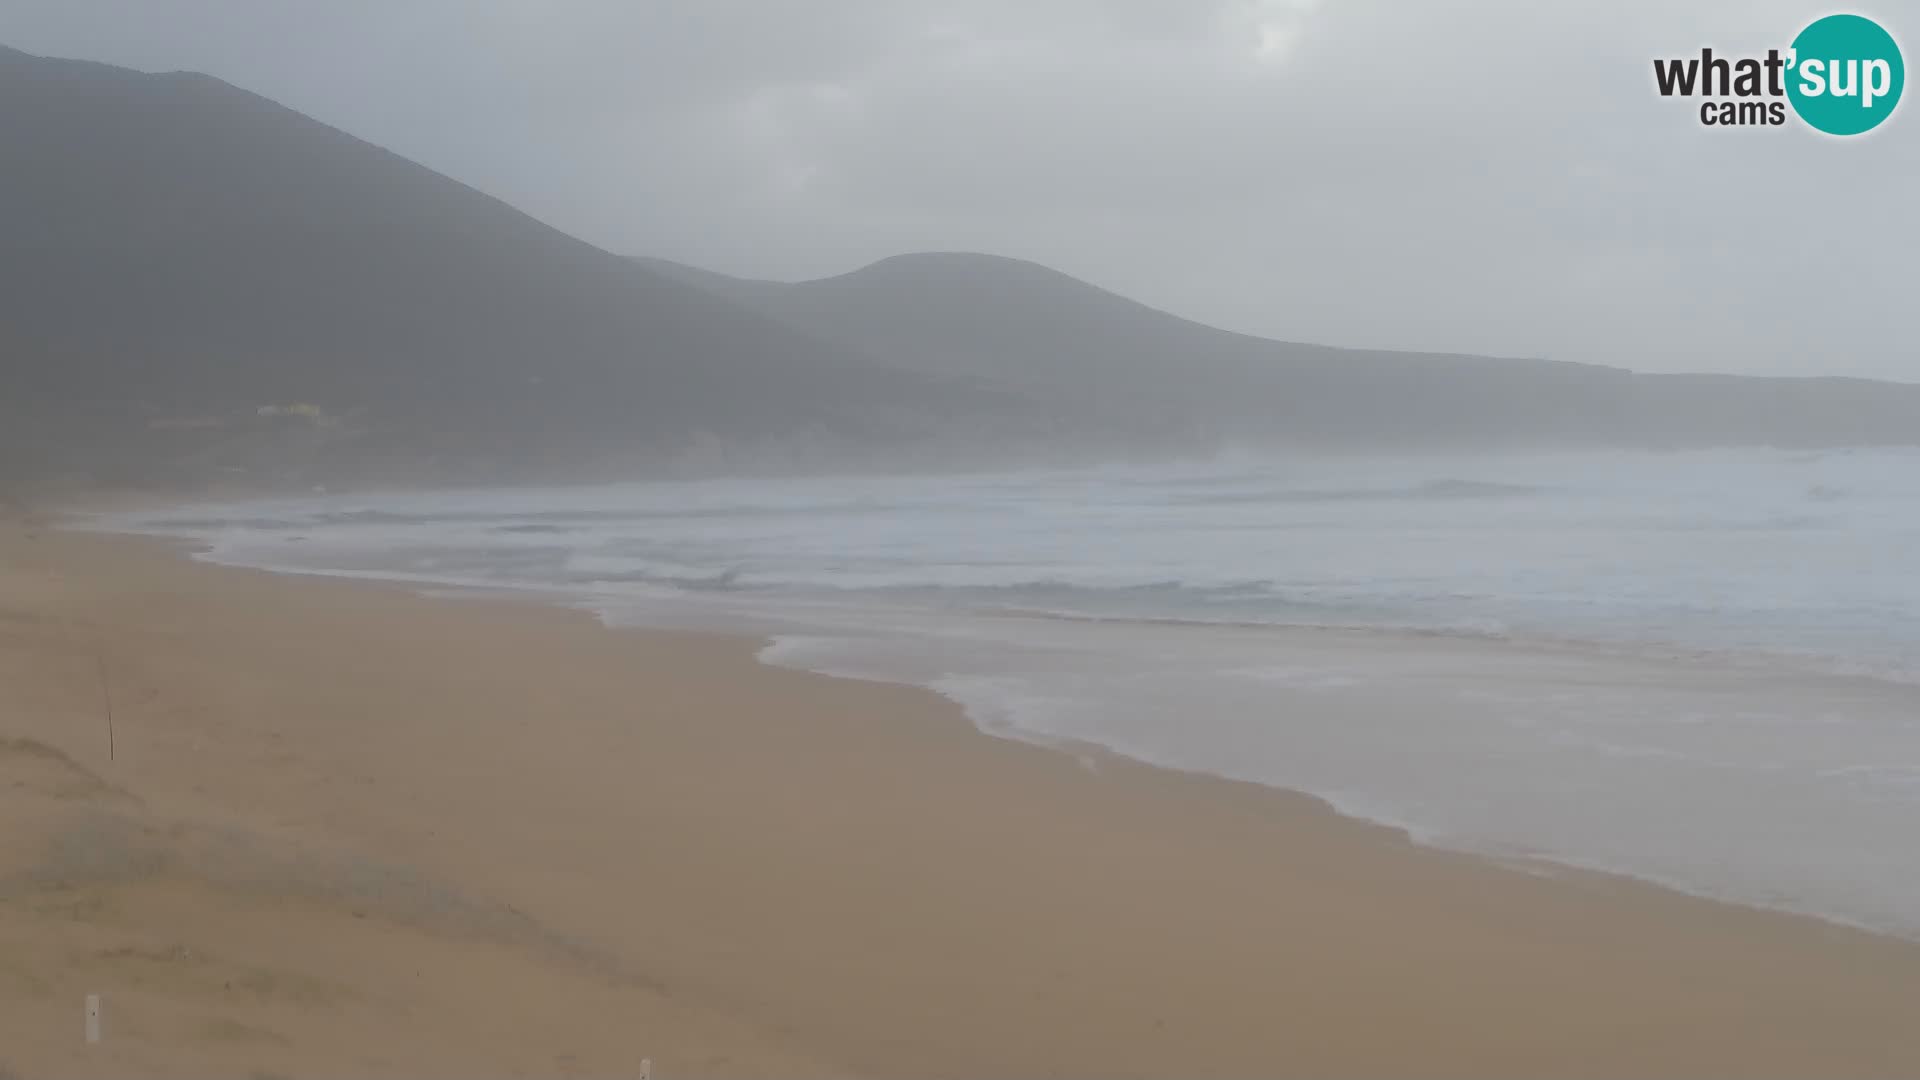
(861, 866)
(1428, 830)
(1536, 863)
(1089, 752)
(1531, 861)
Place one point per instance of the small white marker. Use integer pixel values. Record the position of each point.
(93, 1018)
(646, 1069)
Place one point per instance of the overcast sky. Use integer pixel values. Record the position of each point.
(1469, 175)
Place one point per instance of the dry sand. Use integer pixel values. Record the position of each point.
(346, 830)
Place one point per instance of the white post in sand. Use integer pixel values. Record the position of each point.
(646, 1069)
(93, 1018)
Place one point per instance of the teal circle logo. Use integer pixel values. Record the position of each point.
(1846, 74)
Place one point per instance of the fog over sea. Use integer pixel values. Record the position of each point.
(1699, 668)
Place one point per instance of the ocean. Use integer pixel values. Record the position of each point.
(1701, 669)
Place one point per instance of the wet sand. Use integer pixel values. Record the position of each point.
(345, 829)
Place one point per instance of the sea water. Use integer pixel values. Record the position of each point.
(1699, 668)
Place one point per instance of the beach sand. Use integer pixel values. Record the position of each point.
(348, 830)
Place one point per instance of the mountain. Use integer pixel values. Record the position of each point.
(195, 280)
(197, 283)
(1144, 369)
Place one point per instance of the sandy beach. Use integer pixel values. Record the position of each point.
(348, 830)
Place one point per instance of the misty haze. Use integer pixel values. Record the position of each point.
(1260, 537)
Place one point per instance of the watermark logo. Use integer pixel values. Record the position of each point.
(1842, 75)
(1850, 75)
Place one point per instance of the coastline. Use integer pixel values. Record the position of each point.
(350, 828)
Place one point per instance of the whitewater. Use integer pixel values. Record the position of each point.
(1697, 668)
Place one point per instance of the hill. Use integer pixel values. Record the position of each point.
(197, 283)
(1141, 368)
(196, 280)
